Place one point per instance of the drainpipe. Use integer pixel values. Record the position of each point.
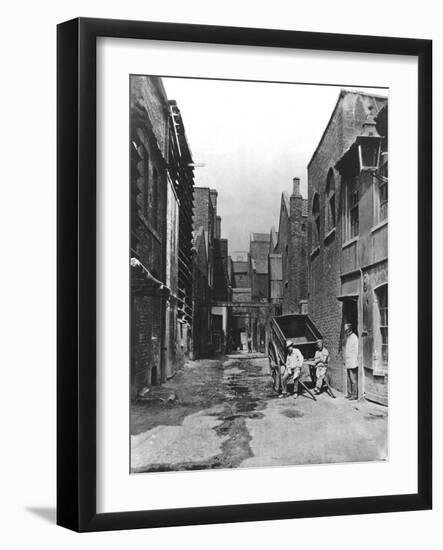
(360, 340)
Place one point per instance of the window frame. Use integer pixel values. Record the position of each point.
(351, 190)
(155, 191)
(330, 210)
(381, 182)
(382, 301)
(316, 218)
(146, 184)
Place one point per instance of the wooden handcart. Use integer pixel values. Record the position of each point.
(302, 332)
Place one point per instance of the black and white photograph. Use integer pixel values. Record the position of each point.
(258, 274)
(221, 328)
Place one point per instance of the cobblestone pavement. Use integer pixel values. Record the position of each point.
(223, 413)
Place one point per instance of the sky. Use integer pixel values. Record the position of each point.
(253, 138)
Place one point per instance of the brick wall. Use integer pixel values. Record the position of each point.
(204, 215)
(282, 248)
(149, 116)
(240, 275)
(324, 277)
(259, 250)
(241, 294)
(221, 278)
(146, 333)
(260, 286)
(325, 249)
(275, 277)
(200, 328)
(292, 247)
(148, 98)
(298, 262)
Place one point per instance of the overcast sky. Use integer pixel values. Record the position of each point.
(253, 139)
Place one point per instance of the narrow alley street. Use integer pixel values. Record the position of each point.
(223, 413)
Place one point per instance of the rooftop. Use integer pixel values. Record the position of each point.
(343, 92)
(260, 237)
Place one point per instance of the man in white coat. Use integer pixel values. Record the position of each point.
(351, 362)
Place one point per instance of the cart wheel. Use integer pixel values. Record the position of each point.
(276, 377)
(275, 368)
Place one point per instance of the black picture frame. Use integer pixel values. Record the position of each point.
(76, 295)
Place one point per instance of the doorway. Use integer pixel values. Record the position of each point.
(350, 314)
(217, 333)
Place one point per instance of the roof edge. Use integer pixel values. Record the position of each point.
(342, 93)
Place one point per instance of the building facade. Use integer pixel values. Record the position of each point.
(204, 215)
(161, 235)
(251, 308)
(347, 243)
(181, 173)
(208, 224)
(288, 258)
(202, 344)
(275, 271)
(258, 253)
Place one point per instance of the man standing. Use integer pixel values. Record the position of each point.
(249, 342)
(351, 362)
(292, 369)
(321, 359)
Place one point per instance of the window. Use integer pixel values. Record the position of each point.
(151, 192)
(330, 202)
(381, 191)
(155, 191)
(146, 185)
(316, 218)
(382, 299)
(351, 219)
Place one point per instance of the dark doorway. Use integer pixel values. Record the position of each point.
(349, 315)
(240, 329)
(154, 376)
(217, 333)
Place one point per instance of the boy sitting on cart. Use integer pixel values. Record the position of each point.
(292, 369)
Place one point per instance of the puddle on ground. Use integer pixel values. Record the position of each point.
(232, 370)
(241, 414)
(373, 416)
(292, 413)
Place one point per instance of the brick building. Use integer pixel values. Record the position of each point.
(347, 242)
(205, 215)
(241, 298)
(202, 342)
(275, 271)
(208, 224)
(258, 253)
(288, 259)
(251, 308)
(161, 235)
(222, 294)
(222, 280)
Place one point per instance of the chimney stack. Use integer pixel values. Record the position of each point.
(296, 187)
(213, 194)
